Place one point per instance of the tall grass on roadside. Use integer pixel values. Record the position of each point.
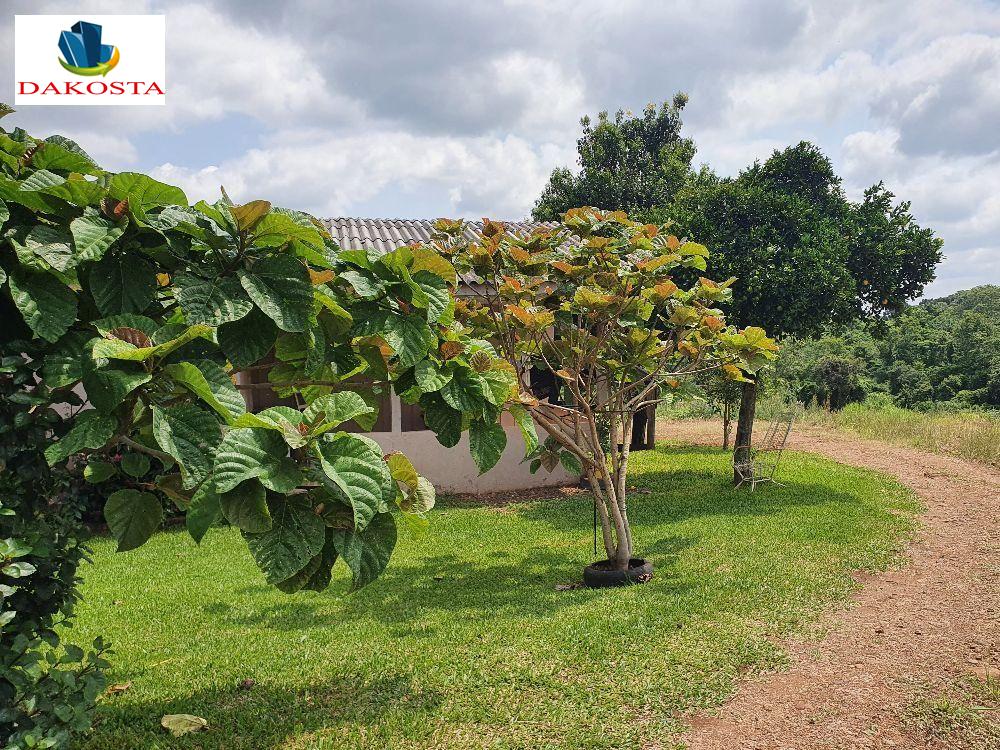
(968, 434)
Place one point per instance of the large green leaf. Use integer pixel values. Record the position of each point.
(277, 229)
(358, 474)
(365, 283)
(54, 245)
(209, 382)
(58, 154)
(96, 472)
(76, 190)
(212, 301)
(501, 385)
(296, 536)
(466, 392)
(204, 512)
(246, 453)
(444, 421)
(248, 340)
(122, 283)
(27, 192)
(245, 507)
(93, 234)
(299, 580)
(432, 292)
(280, 286)
(487, 443)
(135, 464)
(366, 552)
(116, 348)
(189, 434)
(431, 376)
(320, 579)
(409, 336)
(283, 419)
(332, 410)
(106, 386)
(64, 364)
(90, 429)
(527, 426)
(132, 517)
(144, 192)
(47, 304)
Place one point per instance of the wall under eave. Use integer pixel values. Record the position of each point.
(453, 470)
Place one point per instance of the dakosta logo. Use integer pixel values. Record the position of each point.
(83, 52)
(73, 60)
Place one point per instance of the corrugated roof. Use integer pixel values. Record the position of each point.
(384, 235)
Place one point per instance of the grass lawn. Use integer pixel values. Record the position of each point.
(465, 641)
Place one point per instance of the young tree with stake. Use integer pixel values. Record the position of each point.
(594, 303)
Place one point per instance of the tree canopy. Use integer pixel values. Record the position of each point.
(627, 163)
(805, 256)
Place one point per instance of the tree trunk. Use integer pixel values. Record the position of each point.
(727, 425)
(744, 425)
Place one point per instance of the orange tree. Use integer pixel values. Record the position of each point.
(127, 317)
(593, 302)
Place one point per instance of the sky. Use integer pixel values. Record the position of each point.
(462, 109)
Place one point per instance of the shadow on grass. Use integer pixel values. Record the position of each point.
(520, 581)
(267, 716)
(512, 588)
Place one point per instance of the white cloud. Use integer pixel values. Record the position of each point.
(330, 175)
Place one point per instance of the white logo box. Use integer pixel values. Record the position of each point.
(138, 78)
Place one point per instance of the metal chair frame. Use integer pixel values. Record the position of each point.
(762, 461)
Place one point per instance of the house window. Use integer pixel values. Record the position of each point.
(411, 418)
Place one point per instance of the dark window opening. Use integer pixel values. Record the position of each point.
(412, 418)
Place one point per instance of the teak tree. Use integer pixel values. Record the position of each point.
(128, 315)
(593, 302)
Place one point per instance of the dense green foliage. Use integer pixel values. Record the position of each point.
(804, 255)
(940, 353)
(627, 163)
(412, 662)
(133, 314)
(45, 695)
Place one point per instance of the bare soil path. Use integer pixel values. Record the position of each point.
(906, 631)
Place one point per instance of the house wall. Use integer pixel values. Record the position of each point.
(448, 469)
(453, 470)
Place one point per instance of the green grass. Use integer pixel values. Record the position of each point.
(465, 641)
(971, 435)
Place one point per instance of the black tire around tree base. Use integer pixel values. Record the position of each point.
(602, 574)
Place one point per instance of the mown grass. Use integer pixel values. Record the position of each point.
(467, 643)
(971, 435)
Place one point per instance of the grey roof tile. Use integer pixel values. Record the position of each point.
(384, 235)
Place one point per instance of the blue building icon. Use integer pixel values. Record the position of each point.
(82, 48)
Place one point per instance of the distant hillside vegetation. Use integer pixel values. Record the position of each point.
(940, 353)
